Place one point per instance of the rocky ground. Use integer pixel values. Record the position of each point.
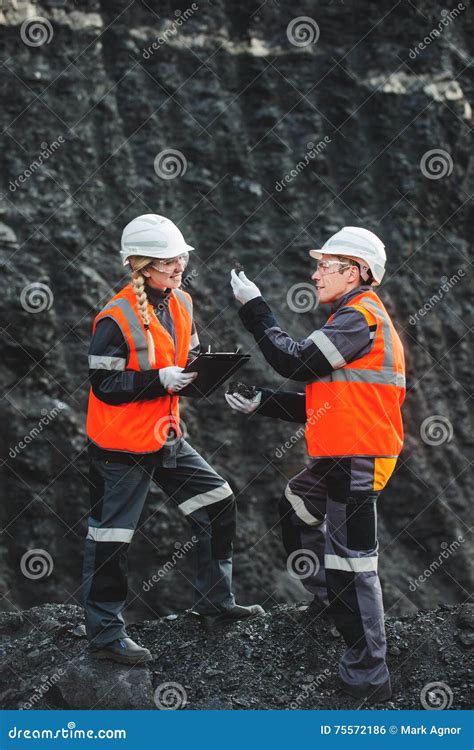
(283, 660)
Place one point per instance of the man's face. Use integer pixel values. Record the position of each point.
(330, 282)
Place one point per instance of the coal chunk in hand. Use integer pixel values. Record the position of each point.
(247, 391)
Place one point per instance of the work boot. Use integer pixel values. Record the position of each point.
(371, 694)
(124, 651)
(228, 616)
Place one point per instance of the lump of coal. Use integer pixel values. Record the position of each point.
(247, 391)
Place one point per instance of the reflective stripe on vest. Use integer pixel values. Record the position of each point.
(141, 426)
(360, 401)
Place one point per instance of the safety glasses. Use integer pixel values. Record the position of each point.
(169, 263)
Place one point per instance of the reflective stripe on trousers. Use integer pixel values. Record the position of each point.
(330, 510)
(118, 493)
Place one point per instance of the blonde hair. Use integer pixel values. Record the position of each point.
(138, 263)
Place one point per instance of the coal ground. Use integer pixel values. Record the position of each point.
(284, 660)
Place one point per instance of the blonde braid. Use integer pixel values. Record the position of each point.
(138, 282)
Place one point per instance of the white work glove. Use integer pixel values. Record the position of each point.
(244, 289)
(240, 403)
(174, 379)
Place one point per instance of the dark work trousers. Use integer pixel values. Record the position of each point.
(329, 511)
(118, 493)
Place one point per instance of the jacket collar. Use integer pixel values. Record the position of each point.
(156, 296)
(346, 297)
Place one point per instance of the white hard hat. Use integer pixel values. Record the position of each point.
(357, 243)
(153, 236)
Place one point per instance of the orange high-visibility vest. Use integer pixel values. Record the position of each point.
(142, 426)
(356, 409)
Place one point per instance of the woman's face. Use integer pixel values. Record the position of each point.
(166, 274)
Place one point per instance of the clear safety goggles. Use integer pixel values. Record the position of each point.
(169, 263)
(329, 266)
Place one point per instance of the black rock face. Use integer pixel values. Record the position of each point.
(278, 146)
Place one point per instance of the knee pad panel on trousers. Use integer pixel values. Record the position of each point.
(344, 606)
(109, 577)
(290, 532)
(223, 517)
(361, 523)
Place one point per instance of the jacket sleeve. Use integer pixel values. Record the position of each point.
(195, 346)
(347, 337)
(108, 375)
(286, 405)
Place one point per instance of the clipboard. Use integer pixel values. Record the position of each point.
(213, 369)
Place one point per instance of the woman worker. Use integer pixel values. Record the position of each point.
(142, 340)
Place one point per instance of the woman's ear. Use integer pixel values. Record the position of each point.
(146, 273)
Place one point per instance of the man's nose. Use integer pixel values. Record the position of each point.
(316, 275)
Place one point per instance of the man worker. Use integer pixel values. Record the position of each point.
(354, 374)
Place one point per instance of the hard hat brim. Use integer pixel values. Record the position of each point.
(187, 249)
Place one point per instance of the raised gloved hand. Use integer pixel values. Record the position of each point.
(244, 289)
(240, 403)
(174, 379)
